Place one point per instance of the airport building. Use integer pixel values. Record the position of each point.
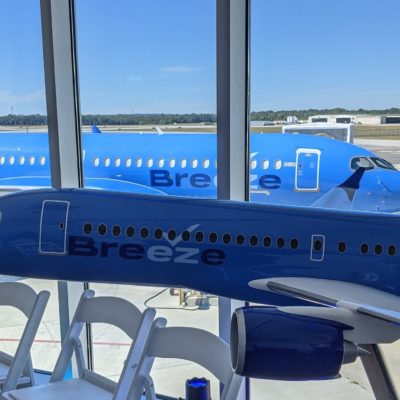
(356, 119)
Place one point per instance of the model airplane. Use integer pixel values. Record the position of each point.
(346, 261)
(284, 169)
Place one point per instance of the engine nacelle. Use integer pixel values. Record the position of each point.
(268, 343)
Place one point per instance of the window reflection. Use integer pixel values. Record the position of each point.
(22, 130)
(154, 73)
(300, 83)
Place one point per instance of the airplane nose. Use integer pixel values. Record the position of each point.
(390, 183)
(389, 193)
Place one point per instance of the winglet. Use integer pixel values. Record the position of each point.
(95, 129)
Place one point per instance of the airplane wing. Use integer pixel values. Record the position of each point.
(373, 314)
(35, 182)
(13, 184)
(120, 186)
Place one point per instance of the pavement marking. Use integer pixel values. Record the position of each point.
(59, 342)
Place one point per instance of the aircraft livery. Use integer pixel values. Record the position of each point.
(284, 168)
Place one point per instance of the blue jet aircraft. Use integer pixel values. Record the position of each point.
(340, 268)
(284, 168)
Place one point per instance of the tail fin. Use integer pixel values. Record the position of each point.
(95, 129)
(159, 130)
(342, 196)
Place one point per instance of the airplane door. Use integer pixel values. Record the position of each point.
(53, 227)
(307, 170)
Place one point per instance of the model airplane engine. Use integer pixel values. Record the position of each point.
(268, 343)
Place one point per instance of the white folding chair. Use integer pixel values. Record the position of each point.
(191, 344)
(17, 370)
(89, 385)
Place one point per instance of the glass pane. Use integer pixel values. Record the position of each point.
(24, 156)
(353, 384)
(148, 102)
(24, 160)
(110, 345)
(310, 88)
(158, 85)
(324, 107)
(47, 344)
(391, 354)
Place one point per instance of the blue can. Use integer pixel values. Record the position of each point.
(198, 389)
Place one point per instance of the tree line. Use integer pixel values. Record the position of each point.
(114, 119)
(194, 118)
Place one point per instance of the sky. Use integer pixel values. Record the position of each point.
(159, 56)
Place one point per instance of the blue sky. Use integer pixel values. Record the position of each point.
(160, 55)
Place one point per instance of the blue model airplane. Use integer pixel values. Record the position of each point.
(284, 168)
(346, 261)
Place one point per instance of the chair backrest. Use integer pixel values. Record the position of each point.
(23, 297)
(19, 295)
(192, 344)
(113, 311)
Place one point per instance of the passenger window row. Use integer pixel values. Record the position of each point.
(226, 238)
(378, 249)
(173, 162)
(265, 164)
(151, 162)
(199, 236)
(138, 162)
(22, 160)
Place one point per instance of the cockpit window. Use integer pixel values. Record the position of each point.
(361, 162)
(381, 163)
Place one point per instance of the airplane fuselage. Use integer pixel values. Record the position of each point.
(208, 245)
(284, 169)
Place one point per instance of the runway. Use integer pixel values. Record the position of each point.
(387, 149)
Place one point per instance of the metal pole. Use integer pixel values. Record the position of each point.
(232, 119)
(378, 374)
(64, 122)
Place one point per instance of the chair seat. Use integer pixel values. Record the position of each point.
(3, 371)
(4, 368)
(64, 390)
